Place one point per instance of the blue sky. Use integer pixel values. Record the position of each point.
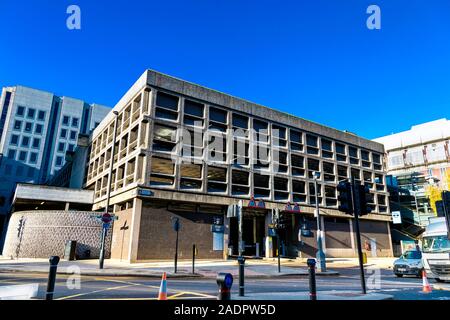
(314, 59)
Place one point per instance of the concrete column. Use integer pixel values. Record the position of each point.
(268, 250)
(352, 237)
(226, 236)
(135, 230)
(390, 239)
(324, 244)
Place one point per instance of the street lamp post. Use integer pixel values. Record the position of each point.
(108, 192)
(321, 265)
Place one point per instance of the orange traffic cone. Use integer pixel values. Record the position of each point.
(163, 288)
(426, 284)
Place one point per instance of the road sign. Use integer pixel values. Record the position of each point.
(176, 224)
(106, 218)
(396, 217)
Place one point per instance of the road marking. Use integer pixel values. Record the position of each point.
(91, 292)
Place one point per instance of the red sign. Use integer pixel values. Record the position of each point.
(292, 209)
(256, 205)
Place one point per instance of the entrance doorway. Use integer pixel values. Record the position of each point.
(253, 233)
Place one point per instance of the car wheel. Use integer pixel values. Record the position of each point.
(439, 280)
(399, 275)
(420, 274)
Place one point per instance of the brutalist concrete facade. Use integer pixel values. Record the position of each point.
(154, 180)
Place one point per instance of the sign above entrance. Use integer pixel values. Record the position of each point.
(292, 208)
(260, 204)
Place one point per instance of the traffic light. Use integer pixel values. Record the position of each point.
(345, 197)
(363, 197)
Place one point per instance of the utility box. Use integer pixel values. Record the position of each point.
(70, 250)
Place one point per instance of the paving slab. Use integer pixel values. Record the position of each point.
(321, 295)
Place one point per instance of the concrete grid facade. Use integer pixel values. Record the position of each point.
(150, 136)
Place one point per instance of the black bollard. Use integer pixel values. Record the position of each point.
(54, 260)
(193, 258)
(224, 281)
(241, 261)
(312, 278)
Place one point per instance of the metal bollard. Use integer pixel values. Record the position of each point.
(193, 258)
(241, 261)
(54, 260)
(224, 281)
(312, 278)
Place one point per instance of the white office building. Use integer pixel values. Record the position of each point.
(36, 130)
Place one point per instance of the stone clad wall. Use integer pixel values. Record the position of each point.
(45, 233)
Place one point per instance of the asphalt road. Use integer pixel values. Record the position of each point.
(126, 288)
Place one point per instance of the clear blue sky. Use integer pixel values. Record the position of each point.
(315, 59)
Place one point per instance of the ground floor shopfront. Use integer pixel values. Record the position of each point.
(144, 231)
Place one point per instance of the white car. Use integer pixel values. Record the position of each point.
(409, 263)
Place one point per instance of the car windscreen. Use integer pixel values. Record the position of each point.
(436, 244)
(412, 255)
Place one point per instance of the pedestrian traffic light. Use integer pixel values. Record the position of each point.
(345, 197)
(363, 197)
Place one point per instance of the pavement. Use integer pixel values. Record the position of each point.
(321, 295)
(442, 286)
(203, 268)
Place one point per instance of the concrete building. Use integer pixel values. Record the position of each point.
(36, 130)
(188, 152)
(417, 159)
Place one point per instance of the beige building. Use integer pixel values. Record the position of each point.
(167, 165)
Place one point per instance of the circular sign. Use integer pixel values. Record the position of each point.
(106, 217)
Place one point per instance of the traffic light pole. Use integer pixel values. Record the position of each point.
(321, 259)
(357, 210)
